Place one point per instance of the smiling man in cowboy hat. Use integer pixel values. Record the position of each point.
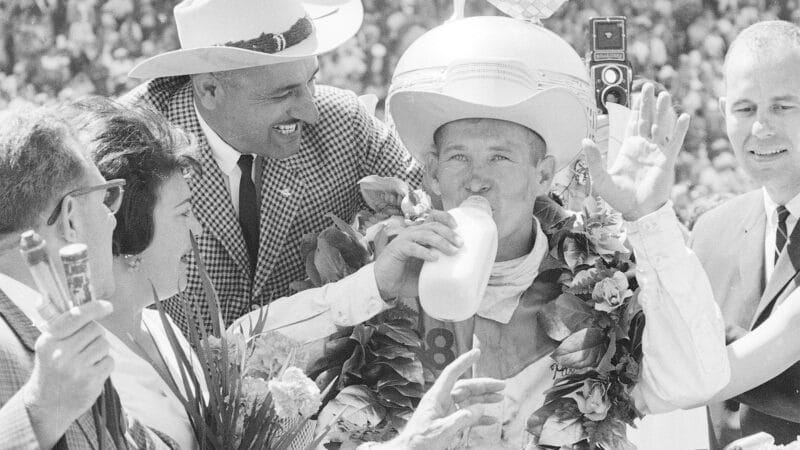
(494, 106)
(278, 152)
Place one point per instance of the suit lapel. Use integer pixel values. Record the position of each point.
(751, 257)
(785, 269)
(210, 197)
(19, 322)
(282, 190)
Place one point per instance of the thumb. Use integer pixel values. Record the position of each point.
(597, 167)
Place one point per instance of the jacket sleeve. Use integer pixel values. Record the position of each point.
(685, 359)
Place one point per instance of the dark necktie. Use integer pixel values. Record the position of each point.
(782, 234)
(249, 210)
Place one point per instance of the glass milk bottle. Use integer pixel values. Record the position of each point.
(452, 287)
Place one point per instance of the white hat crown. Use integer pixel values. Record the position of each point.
(497, 68)
(204, 23)
(522, 54)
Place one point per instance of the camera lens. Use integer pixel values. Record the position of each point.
(611, 75)
(614, 94)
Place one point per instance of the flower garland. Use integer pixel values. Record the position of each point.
(598, 325)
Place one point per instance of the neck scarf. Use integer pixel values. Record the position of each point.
(510, 279)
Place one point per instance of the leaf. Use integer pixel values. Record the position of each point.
(383, 194)
(400, 335)
(564, 316)
(392, 352)
(352, 244)
(391, 396)
(559, 433)
(551, 215)
(411, 371)
(413, 390)
(610, 434)
(582, 349)
(328, 261)
(575, 250)
(635, 333)
(605, 363)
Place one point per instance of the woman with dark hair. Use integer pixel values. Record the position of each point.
(152, 232)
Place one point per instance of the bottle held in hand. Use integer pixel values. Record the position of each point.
(75, 259)
(452, 287)
(53, 300)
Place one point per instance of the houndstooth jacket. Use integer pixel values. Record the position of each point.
(17, 339)
(346, 144)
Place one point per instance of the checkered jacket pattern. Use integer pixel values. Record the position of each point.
(346, 144)
(17, 339)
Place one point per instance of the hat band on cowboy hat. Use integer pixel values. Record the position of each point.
(221, 35)
(274, 43)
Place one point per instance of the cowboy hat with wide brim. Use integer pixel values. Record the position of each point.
(220, 35)
(492, 68)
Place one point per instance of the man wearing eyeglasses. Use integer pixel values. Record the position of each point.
(52, 372)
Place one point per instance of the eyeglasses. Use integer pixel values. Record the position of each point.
(113, 198)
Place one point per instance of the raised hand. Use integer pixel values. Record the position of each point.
(450, 406)
(641, 178)
(71, 365)
(398, 265)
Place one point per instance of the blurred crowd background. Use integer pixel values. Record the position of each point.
(56, 50)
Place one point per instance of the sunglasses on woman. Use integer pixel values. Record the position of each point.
(112, 199)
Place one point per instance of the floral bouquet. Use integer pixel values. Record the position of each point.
(598, 325)
(239, 389)
(375, 367)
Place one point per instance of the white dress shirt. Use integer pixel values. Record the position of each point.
(772, 228)
(141, 389)
(227, 159)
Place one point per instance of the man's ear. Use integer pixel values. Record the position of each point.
(69, 220)
(723, 102)
(432, 172)
(547, 170)
(208, 90)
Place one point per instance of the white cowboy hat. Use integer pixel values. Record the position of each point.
(496, 68)
(219, 35)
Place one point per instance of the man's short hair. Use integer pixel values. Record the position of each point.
(537, 151)
(766, 37)
(138, 145)
(38, 164)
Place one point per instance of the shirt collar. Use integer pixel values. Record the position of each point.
(225, 156)
(792, 205)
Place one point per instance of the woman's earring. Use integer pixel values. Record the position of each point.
(132, 261)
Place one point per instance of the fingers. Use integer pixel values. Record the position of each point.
(647, 111)
(481, 400)
(442, 217)
(665, 123)
(443, 386)
(426, 241)
(473, 387)
(465, 418)
(76, 318)
(678, 135)
(95, 351)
